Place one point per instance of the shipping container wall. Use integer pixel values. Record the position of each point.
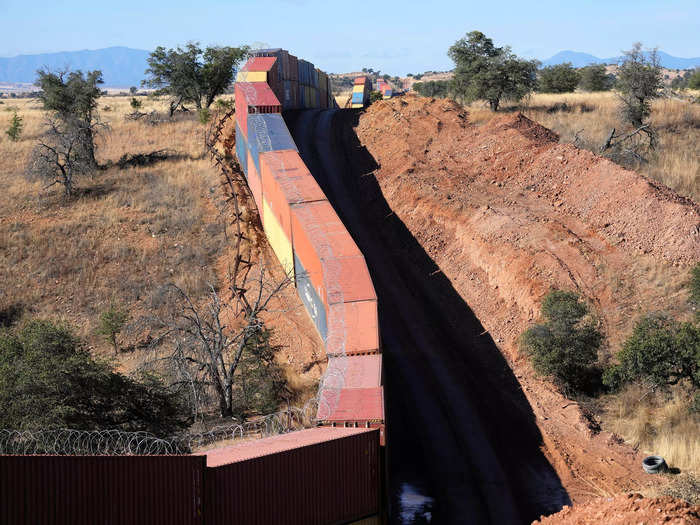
(336, 481)
(87, 490)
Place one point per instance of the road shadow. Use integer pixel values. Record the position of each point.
(449, 351)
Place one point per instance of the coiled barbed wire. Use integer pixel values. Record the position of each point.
(71, 442)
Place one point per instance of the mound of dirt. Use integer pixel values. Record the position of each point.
(631, 509)
(507, 213)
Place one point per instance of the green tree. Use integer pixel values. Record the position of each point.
(49, 380)
(694, 79)
(133, 90)
(112, 321)
(565, 346)
(193, 75)
(639, 81)
(72, 98)
(15, 129)
(433, 88)
(374, 96)
(660, 351)
(561, 78)
(595, 78)
(484, 71)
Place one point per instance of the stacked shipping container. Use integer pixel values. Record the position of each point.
(360, 92)
(385, 88)
(308, 237)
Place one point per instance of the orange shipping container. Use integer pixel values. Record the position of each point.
(352, 328)
(254, 183)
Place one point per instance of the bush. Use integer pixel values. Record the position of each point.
(49, 380)
(15, 129)
(204, 115)
(561, 78)
(374, 96)
(135, 104)
(694, 286)
(694, 80)
(565, 346)
(595, 78)
(112, 321)
(660, 351)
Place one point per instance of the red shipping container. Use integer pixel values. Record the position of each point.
(359, 405)
(363, 371)
(360, 80)
(254, 97)
(259, 64)
(315, 477)
(353, 328)
(293, 68)
(85, 490)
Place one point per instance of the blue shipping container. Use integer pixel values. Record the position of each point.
(267, 132)
(358, 98)
(241, 150)
(310, 298)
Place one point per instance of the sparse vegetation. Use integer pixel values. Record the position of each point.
(48, 380)
(565, 346)
(112, 321)
(639, 81)
(484, 71)
(135, 104)
(15, 129)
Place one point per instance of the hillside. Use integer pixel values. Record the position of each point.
(579, 59)
(507, 212)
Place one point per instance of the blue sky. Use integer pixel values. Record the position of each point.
(396, 37)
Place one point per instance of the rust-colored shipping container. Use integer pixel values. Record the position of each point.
(359, 405)
(363, 371)
(254, 182)
(352, 328)
(87, 490)
(317, 476)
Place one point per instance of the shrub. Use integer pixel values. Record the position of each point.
(135, 104)
(204, 115)
(561, 78)
(660, 351)
(15, 129)
(565, 346)
(694, 286)
(595, 78)
(48, 380)
(112, 321)
(374, 96)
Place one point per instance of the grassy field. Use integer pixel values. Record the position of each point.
(587, 118)
(126, 234)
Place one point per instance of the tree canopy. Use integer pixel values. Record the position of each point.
(191, 74)
(484, 71)
(595, 78)
(638, 82)
(49, 380)
(561, 78)
(566, 345)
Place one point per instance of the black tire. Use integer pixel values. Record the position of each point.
(654, 464)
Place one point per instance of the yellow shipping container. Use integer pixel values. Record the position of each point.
(278, 240)
(251, 76)
(358, 89)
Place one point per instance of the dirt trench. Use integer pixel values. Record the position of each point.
(506, 212)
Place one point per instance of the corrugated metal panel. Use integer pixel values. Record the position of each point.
(293, 68)
(353, 328)
(241, 109)
(259, 64)
(358, 89)
(241, 150)
(251, 76)
(309, 296)
(359, 404)
(363, 371)
(87, 490)
(319, 235)
(332, 481)
(280, 243)
(360, 80)
(267, 132)
(255, 184)
(257, 94)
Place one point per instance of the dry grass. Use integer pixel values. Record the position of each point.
(589, 117)
(129, 231)
(658, 423)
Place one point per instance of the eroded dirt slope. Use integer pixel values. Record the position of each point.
(507, 212)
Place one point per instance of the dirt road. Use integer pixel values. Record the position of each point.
(463, 443)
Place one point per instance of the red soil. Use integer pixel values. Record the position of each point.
(507, 212)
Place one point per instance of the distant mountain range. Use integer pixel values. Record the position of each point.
(124, 67)
(120, 66)
(578, 59)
